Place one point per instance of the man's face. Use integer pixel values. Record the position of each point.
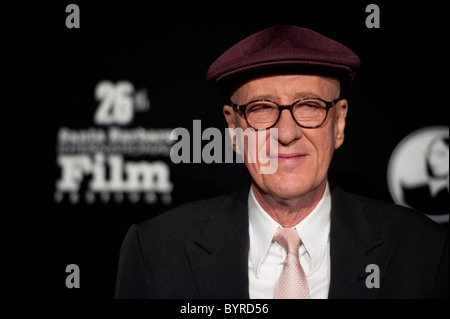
(304, 154)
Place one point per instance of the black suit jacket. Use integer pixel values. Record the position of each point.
(200, 250)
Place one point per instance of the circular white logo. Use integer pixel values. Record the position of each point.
(418, 172)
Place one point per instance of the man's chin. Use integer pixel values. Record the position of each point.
(286, 190)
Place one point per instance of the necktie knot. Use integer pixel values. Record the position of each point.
(289, 239)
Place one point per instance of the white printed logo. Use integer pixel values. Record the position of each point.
(418, 172)
(118, 102)
(105, 163)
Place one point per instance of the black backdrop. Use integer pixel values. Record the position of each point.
(163, 51)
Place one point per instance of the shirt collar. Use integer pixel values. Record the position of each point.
(313, 230)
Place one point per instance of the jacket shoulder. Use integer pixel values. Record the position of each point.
(185, 218)
(413, 248)
(406, 230)
(399, 220)
(413, 236)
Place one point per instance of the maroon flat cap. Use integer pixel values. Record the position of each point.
(285, 49)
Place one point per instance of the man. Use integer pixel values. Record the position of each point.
(291, 233)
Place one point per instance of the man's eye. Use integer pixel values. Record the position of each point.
(261, 107)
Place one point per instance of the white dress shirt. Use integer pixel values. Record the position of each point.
(266, 257)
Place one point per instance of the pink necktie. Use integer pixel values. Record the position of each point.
(292, 283)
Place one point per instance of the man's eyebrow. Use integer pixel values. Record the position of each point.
(306, 94)
(262, 97)
(299, 95)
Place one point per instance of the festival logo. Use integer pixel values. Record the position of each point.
(109, 161)
(418, 172)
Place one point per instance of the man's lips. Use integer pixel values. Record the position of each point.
(288, 157)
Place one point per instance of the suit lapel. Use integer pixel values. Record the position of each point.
(219, 255)
(355, 243)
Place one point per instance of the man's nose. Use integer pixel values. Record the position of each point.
(288, 129)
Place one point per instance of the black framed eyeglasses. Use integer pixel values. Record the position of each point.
(307, 112)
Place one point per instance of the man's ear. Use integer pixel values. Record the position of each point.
(229, 114)
(341, 108)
